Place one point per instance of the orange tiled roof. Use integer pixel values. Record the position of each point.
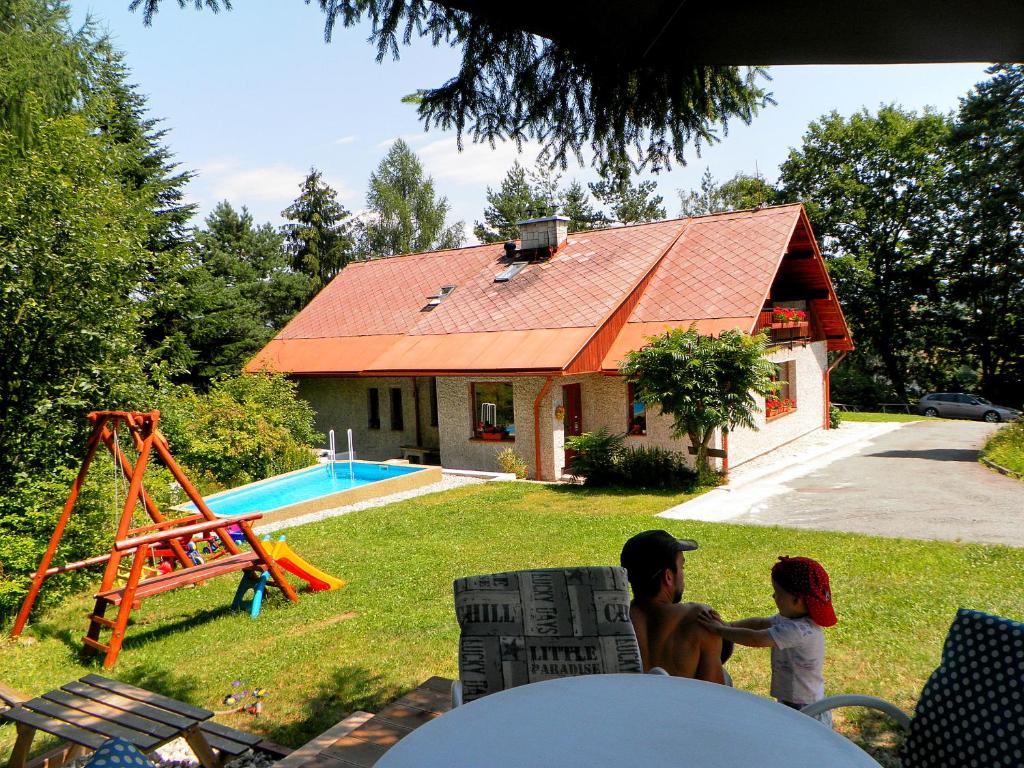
(600, 295)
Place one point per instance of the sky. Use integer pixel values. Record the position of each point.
(253, 98)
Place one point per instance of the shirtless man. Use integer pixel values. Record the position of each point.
(667, 629)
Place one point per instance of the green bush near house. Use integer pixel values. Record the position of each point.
(601, 460)
(513, 463)
(835, 417)
(1006, 447)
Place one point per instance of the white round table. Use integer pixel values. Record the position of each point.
(615, 720)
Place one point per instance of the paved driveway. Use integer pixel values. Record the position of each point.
(920, 481)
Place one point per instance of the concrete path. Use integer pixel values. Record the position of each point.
(915, 480)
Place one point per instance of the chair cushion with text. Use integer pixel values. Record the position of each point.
(526, 626)
(971, 711)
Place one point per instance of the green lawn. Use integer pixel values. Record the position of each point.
(393, 625)
(866, 416)
(1006, 447)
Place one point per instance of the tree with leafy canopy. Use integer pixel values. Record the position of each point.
(982, 248)
(702, 383)
(627, 203)
(405, 214)
(320, 242)
(238, 292)
(515, 86)
(870, 183)
(740, 192)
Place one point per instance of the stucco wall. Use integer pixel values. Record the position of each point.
(811, 361)
(341, 403)
(459, 450)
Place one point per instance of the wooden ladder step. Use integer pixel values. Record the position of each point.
(95, 619)
(96, 644)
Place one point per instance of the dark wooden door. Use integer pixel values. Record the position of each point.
(573, 404)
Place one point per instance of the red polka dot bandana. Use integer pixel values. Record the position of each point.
(804, 577)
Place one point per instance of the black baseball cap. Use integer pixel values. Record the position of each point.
(648, 553)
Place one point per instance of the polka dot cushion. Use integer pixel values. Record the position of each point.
(971, 711)
(118, 753)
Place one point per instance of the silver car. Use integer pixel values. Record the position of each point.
(957, 405)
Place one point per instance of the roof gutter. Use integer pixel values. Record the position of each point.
(536, 427)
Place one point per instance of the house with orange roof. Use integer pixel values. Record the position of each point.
(451, 356)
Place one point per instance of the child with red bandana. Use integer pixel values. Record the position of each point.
(804, 599)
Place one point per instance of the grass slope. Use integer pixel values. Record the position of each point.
(393, 625)
(865, 416)
(1006, 447)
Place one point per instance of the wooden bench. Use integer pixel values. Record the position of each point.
(197, 574)
(363, 745)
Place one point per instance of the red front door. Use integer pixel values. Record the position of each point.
(572, 402)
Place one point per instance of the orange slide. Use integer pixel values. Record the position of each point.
(295, 565)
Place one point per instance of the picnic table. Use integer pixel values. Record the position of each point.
(93, 709)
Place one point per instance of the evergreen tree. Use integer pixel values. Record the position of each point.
(628, 204)
(513, 85)
(582, 215)
(405, 214)
(43, 64)
(515, 200)
(238, 293)
(320, 242)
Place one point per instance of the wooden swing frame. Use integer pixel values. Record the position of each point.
(137, 542)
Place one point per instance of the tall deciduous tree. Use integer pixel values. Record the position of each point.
(513, 85)
(983, 251)
(703, 383)
(320, 241)
(870, 183)
(627, 203)
(406, 216)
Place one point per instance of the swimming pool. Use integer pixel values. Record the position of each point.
(323, 486)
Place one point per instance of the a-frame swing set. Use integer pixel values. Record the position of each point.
(137, 542)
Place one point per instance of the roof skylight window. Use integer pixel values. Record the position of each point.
(510, 271)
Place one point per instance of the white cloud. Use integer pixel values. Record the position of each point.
(412, 139)
(346, 140)
(476, 163)
(228, 179)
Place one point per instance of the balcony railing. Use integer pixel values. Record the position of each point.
(780, 331)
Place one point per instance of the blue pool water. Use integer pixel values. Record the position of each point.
(312, 483)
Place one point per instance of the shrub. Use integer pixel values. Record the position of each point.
(653, 467)
(512, 462)
(245, 428)
(835, 417)
(595, 459)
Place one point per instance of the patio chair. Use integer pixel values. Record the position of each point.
(526, 626)
(971, 711)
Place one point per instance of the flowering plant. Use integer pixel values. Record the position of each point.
(785, 315)
(775, 407)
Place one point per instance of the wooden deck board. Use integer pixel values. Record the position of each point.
(362, 746)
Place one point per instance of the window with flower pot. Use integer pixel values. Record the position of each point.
(493, 414)
(784, 399)
(636, 417)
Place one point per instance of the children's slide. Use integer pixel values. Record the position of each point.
(295, 565)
